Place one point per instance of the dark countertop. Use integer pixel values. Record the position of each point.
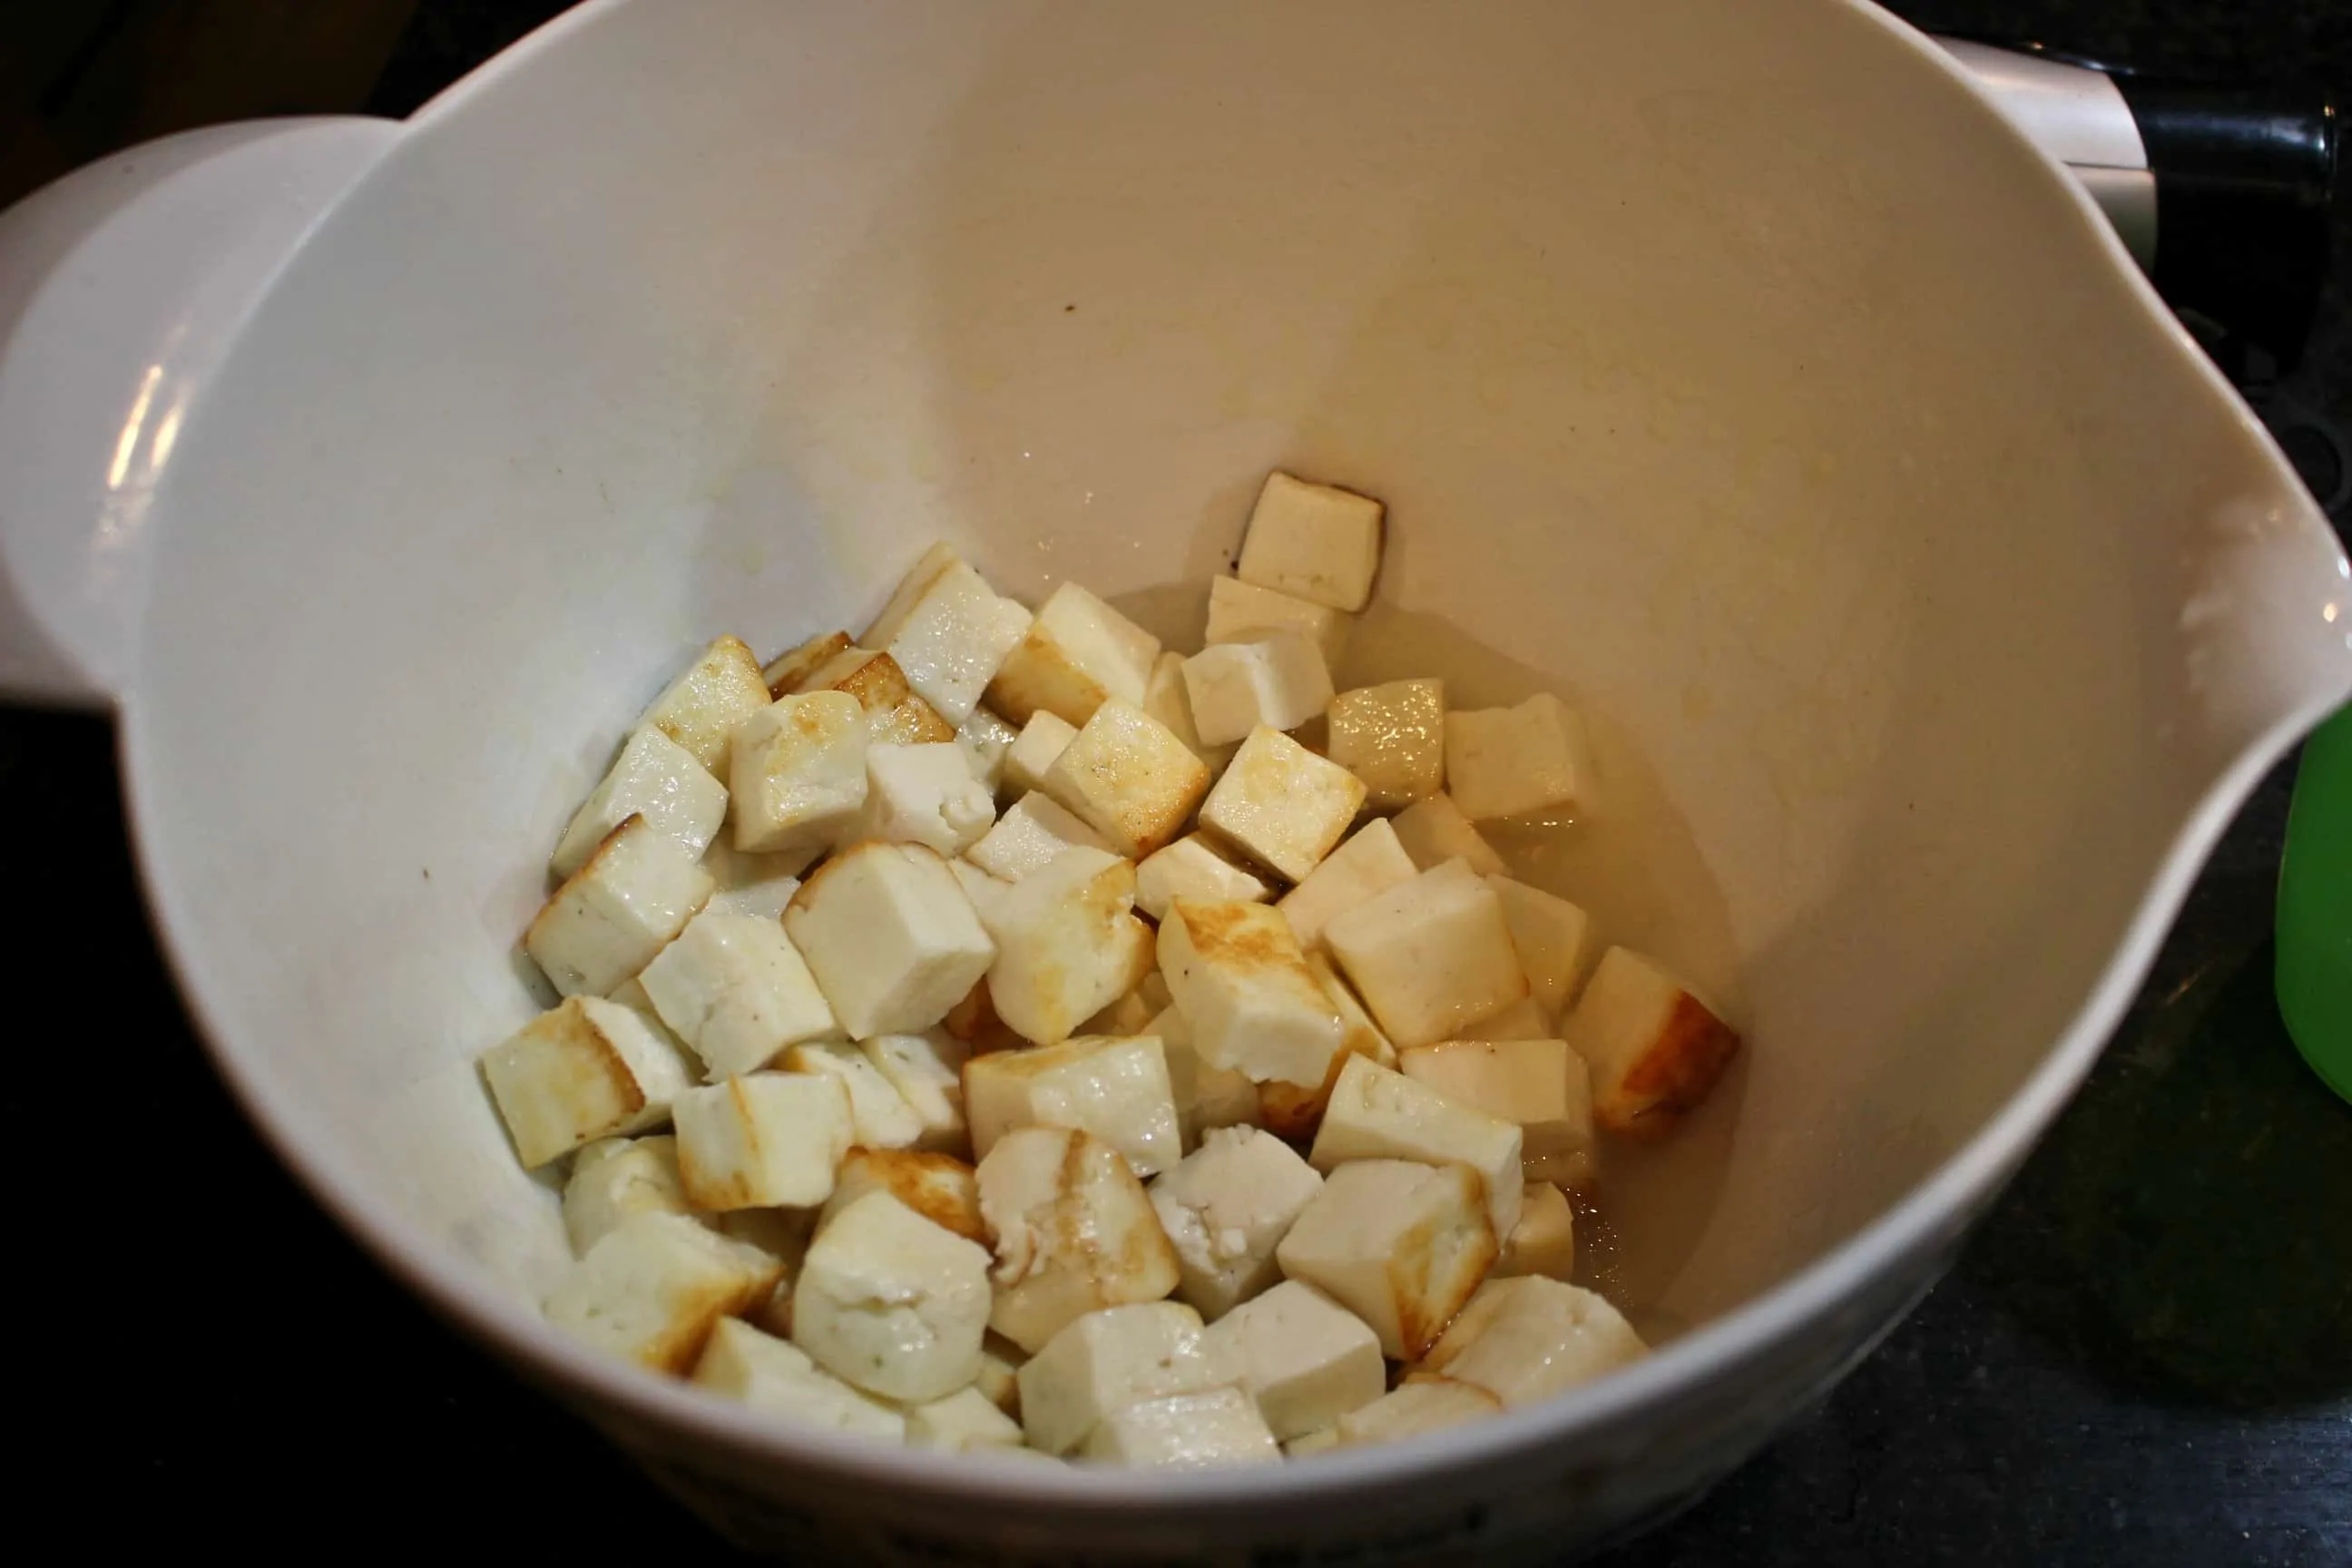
(2144, 1357)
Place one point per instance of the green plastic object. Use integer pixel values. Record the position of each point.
(2315, 907)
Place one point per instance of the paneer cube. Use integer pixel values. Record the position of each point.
(1074, 1231)
(1225, 1209)
(611, 916)
(1068, 945)
(987, 741)
(925, 795)
(1314, 541)
(879, 1116)
(985, 893)
(759, 885)
(974, 1023)
(948, 631)
(1192, 867)
(1033, 831)
(1430, 957)
(1655, 1048)
(783, 1235)
(1115, 1088)
(1528, 760)
(1535, 1338)
(1307, 1360)
(1276, 682)
(1543, 1241)
(927, 1069)
(1539, 1084)
(891, 1303)
(940, 1187)
(1376, 1114)
(894, 713)
(1371, 861)
(1244, 612)
(1206, 1096)
(735, 989)
(654, 778)
(1433, 831)
(1247, 996)
(1127, 1016)
(1185, 1431)
(1108, 1360)
(787, 672)
(702, 707)
(1035, 750)
(1294, 1111)
(652, 1289)
(1553, 939)
(1130, 778)
(1165, 699)
(1400, 1244)
(766, 1140)
(1418, 1404)
(1077, 652)
(1392, 736)
(892, 940)
(1281, 804)
(1522, 1020)
(614, 1179)
(798, 775)
(585, 1070)
(962, 1423)
(769, 1374)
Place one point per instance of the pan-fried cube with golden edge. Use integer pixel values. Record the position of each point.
(1192, 867)
(1126, 776)
(1430, 957)
(1543, 1241)
(894, 714)
(758, 885)
(1206, 1096)
(797, 778)
(1165, 699)
(1077, 652)
(1400, 1244)
(767, 1373)
(962, 1423)
(1371, 861)
(1277, 680)
(1553, 939)
(927, 1069)
(783, 1235)
(1392, 736)
(1225, 1208)
(1035, 750)
(987, 741)
(1108, 1360)
(787, 670)
(1528, 1338)
(1068, 945)
(616, 1178)
(1127, 1016)
(1518, 761)
(1074, 1232)
(1376, 1114)
(879, 1116)
(940, 1187)
(652, 1289)
(948, 631)
(892, 1303)
(611, 916)
(1314, 542)
(1116, 1088)
(585, 1070)
(1244, 612)
(1307, 1360)
(925, 795)
(890, 937)
(654, 778)
(735, 989)
(1294, 1111)
(766, 1140)
(1031, 831)
(702, 707)
(1539, 1084)
(1249, 1001)
(1421, 1403)
(1655, 1048)
(1281, 804)
(1213, 1427)
(1433, 831)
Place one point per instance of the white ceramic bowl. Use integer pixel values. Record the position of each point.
(1731, 366)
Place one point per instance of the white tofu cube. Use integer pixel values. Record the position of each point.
(1433, 831)
(1075, 1232)
(1655, 1048)
(1165, 699)
(611, 916)
(949, 630)
(1068, 945)
(1296, 1111)
(1276, 682)
(1000, 1371)
(759, 885)
(1553, 939)
(735, 989)
(1418, 1404)
(1109, 1360)
(652, 1289)
(1192, 867)
(1307, 1360)
(891, 1303)
(1077, 652)
(702, 707)
(1185, 1431)
(1543, 1241)
(765, 1373)
(766, 1140)
(1130, 778)
(1245, 612)
(940, 1187)
(585, 1070)
(927, 1069)
(1281, 804)
(925, 795)
(1249, 999)
(798, 775)
(1116, 1089)
(1035, 750)
(1206, 1096)
(879, 1116)
(1522, 1020)
(1371, 862)
(1529, 761)
(962, 1422)
(892, 940)
(616, 1178)
(788, 672)
(654, 778)
(1033, 830)
(1377, 1113)
(895, 714)
(1538, 1338)
(1400, 1244)
(1314, 542)
(1392, 736)
(1430, 957)
(1225, 1209)
(1539, 1084)
(987, 741)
